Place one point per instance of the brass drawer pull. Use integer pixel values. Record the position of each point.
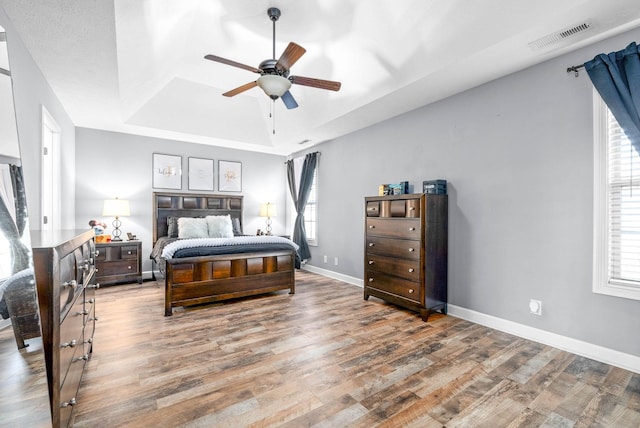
(370, 262)
(411, 250)
(411, 270)
(411, 291)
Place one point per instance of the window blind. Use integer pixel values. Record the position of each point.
(624, 207)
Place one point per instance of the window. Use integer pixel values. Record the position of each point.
(617, 208)
(311, 212)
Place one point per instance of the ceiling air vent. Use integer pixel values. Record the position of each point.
(559, 36)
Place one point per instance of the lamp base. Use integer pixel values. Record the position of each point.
(115, 235)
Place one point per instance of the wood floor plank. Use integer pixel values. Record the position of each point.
(325, 357)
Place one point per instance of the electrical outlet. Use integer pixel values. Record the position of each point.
(335, 261)
(535, 307)
(325, 258)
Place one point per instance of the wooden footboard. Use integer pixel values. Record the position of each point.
(196, 280)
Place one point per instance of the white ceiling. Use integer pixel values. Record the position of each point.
(137, 66)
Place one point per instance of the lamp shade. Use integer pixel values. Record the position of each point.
(267, 210)
(116, 208)
(274, 85)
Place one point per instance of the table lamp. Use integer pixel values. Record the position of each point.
(268, 210)
(116, 208)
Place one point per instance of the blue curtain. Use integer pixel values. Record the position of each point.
(616, 77)
(300, 199)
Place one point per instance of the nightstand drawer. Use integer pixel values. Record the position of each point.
(118, 268)
(129, 252)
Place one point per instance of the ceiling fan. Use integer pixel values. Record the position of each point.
(274, 78)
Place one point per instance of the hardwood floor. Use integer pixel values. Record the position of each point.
(324, 357)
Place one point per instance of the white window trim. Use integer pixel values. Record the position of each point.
(601, 282)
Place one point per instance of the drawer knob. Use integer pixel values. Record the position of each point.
(85, 357)
(370, 262)
(92, 300)
(411, 270)
(411, 250)
(412, 208)
(371, 226)
(370, 279)
(96, 253)
(90, 340)
(371, 244)
(96, 285)
(129, 252)
(411, 229)
(71, 402)
(93, 319)
(84, 312)
(71, 284)
(411, 291)
(71, 344)
(128, 267)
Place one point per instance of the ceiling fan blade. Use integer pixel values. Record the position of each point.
(288, 100)
(316, 83)
(240, 89)
(291, 54)
(231, 63)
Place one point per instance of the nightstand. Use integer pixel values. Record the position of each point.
(119, 262)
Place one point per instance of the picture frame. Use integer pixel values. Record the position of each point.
(229, 176)
(200, 174)
(167, 171)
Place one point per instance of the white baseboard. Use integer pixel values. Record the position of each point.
(335, 275)
(578, 347)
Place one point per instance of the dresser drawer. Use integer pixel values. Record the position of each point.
(401, 248)
(71, 335)
(408, 269)
(69, 386)
(406, 228)
(393, 285)
(118, 268)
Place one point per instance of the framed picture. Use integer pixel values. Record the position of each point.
(229, 176)
(167, 171)
(200, 174)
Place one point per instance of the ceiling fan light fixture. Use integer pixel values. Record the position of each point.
(274, 85)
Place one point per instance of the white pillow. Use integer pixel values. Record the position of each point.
(192, 228)
(220, 226)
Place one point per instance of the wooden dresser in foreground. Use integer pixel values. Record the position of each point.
(119, 262)
(405, 255)
(64, 264)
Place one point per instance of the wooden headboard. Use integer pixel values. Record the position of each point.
(191, 205)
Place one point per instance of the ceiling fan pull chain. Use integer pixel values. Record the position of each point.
(273, 116)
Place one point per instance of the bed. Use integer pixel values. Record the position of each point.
(215, 268)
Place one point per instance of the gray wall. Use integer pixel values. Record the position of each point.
(518, 155)
(110, 164)
(31, 92)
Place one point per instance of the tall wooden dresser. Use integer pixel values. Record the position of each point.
(405, 255)
(64, 264)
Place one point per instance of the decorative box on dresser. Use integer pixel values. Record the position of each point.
(64, 264)
(406, 251)
(119, 262)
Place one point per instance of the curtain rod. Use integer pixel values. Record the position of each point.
(305, 155)
(575, 69)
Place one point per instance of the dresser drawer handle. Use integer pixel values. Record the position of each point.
(85, 357)
(128, 267)
(412, 208)
(92, 300)
(370, 279)
(371, 244)
(411, 270)
(71, 402)
(96, 253)
(83, 312)
(411, 250)
(371, 226)
(96, 285)
(411, 291)
(370, 262)
(411, 229)
(71, 344)
(129, 252)
(71, 283)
